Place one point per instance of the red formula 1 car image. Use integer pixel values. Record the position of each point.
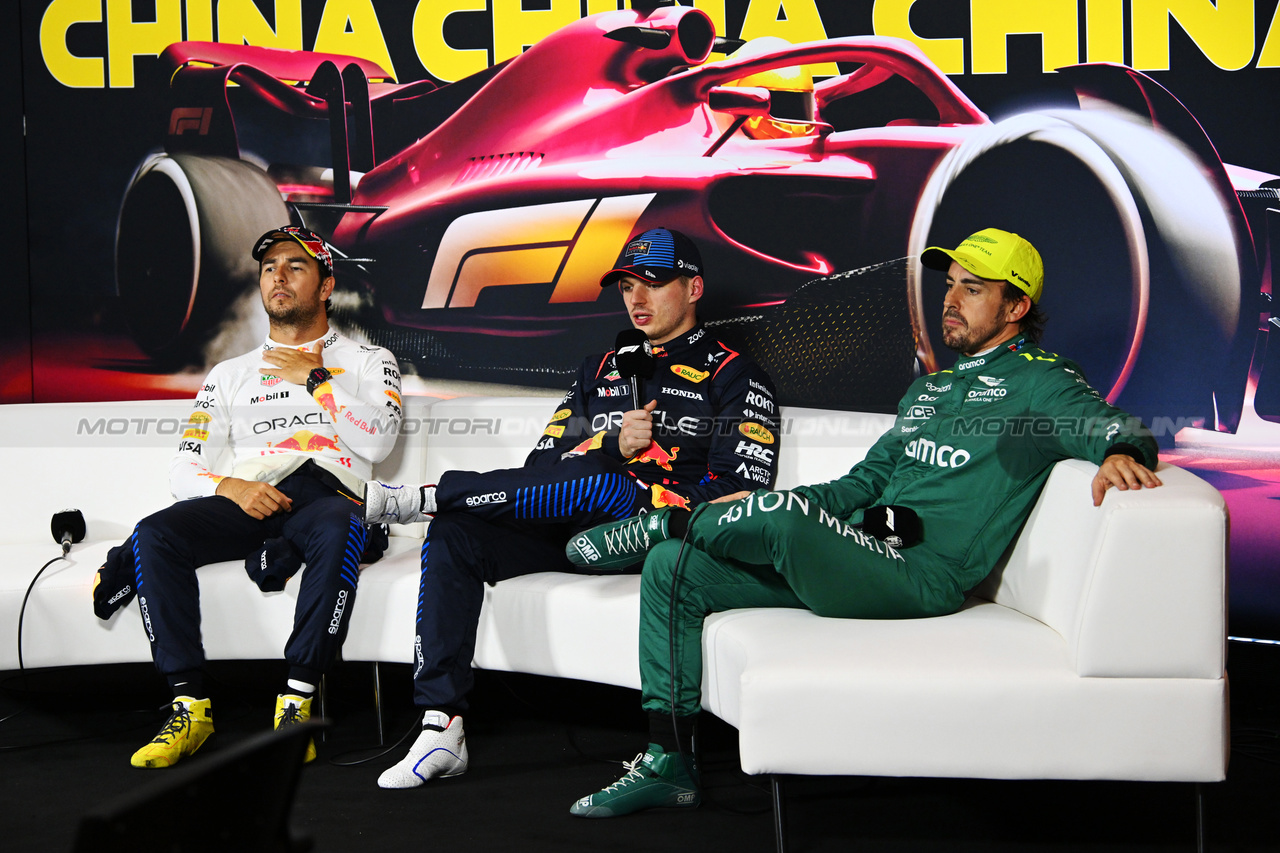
(471, 221)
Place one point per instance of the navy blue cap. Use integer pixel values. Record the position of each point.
(657, 255)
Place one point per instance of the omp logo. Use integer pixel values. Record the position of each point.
(758, 432)
(931, 453)
(920, 413)
(190, 120)
(586, 549)
(491, 498)
(689, 373)
(562, 243)
(336, 621)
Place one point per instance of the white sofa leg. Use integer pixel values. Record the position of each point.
(779, 815)
(377, 700)
(1199, 818)
(320, 698)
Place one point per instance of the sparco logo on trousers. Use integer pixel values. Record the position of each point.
(146, 618)
(491, 498)
(932, 453)
(340, 606)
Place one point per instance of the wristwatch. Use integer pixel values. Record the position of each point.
(317, 377)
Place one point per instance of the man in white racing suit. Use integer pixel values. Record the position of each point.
(303, 418)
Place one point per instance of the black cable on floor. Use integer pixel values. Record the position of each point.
(416, 725)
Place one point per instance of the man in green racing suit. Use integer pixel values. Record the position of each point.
(967, 456)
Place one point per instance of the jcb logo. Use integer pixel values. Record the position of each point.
(566, 243)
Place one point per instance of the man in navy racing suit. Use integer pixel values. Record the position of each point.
(708, 428)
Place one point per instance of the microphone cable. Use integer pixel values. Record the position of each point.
(22, 612)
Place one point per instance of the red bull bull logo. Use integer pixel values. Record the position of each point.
(324, 396)
(307, 441)
(655, 454)
(594, 443)
(665, 497)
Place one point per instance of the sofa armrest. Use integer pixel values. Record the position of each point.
(1137, 587)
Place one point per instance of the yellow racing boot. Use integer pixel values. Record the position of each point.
(188, 727)
(291, 710)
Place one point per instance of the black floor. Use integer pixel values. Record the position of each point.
(539, 743)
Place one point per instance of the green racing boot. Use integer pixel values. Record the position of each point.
(617, 545)
(655, 779)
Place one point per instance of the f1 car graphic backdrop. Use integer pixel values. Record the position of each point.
(472, 220)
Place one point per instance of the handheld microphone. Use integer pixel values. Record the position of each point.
(895, 526)
(633, 354)
(67, 527)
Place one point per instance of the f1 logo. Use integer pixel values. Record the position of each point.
(565, 243)
(190, 119)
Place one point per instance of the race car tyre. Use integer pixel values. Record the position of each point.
(183, 240)
(1142, 281)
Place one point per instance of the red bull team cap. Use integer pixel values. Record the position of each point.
(657, 255)
(308, 240)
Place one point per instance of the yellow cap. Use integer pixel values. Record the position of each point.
(994, 255)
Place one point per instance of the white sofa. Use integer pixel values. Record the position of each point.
(1095, 652)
